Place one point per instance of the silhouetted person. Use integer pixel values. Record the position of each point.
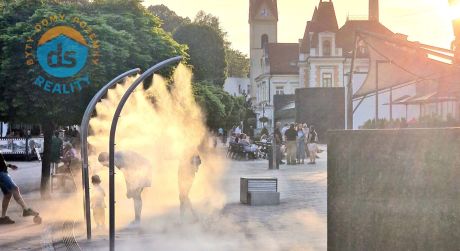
(138, 175)
(10, 189)
(186, 175)
(291, 137)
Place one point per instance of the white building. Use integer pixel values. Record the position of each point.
(322, 58)
(237, 86)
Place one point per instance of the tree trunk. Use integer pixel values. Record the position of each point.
(48, 129)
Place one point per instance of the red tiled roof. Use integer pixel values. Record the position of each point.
(346, 35)
(254, 5)
(281, 56)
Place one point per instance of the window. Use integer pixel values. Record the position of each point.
(279, 90)
(264, 41)
(326, 48)
(327, 79)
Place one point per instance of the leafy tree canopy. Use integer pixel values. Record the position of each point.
(129, 37)
(171, 21)
(207, 52)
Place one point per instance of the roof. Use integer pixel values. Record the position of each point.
(345, 37)
(398, 62)
(254, 6)
(281, 56)
(323, 19)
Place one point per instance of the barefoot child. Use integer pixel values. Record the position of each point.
(97, 202)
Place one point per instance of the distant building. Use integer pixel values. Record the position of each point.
(321, 58)
(237, 86)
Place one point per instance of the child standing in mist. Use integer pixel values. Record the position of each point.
(186, 175)
(138, 175)
(98, 202)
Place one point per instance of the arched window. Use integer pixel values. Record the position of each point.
(326, 48)
(264, 41)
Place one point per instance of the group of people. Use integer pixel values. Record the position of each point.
(64, 158)
(137, 171)
(301, 141)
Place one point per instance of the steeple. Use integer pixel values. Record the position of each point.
(256, 11)
(374, 10)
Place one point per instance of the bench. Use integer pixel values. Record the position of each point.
(236, 151)
(259, 191)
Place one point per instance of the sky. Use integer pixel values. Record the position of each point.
(426, 21)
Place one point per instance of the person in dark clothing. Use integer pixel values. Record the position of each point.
(291, 137)
(56, 151)
(10, 189)
(278, 139)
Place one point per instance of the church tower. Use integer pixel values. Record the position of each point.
(263, 23)
(374, 10)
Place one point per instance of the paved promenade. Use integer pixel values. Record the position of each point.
(298, 223)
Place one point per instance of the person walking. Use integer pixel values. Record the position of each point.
(300, 145)
(186, 175)
(10, 189)
(312, 144)
(291, 137)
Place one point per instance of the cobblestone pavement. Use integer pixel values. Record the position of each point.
(298, 223)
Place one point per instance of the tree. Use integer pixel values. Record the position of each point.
(238, 64)
(206, 50)
(171, 21)
(129, 37)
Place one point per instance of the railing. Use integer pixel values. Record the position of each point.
(22, 146)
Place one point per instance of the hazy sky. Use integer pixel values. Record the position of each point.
(427, 21)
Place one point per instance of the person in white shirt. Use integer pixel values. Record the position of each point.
(138, 175)
(237, 131)
(98, 202)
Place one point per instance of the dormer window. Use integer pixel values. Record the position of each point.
(327, 48)
(264, 41)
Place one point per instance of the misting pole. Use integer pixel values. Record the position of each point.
(113, 129)
(84, 144)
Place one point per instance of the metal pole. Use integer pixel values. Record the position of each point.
(377, 93)
(84, 144)
(350, 87)
(113, 129)
(391, 104)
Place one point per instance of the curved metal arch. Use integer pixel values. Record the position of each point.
(113, 129)
(84, 127)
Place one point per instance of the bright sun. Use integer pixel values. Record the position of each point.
(454, 9)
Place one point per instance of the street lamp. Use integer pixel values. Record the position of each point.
(455, 10)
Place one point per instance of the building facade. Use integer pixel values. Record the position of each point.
(321, 58)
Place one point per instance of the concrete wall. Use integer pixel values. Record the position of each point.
(394, 190)
(280, 102)
(322, 107)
